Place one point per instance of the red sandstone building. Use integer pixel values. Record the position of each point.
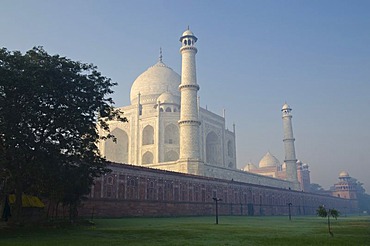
(346, 187)
(138, 191)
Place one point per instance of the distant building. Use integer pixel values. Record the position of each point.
(346, 187)
(270, 166)
(303, 174)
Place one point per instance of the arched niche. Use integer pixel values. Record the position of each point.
(213, 148)
(231, 165)
(230, 149)
(171, 156)
(117, 151)
(147, 158)
(171, 134)
(148, 135)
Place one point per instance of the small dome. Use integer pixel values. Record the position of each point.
(188, 33)
(285, 106)
(167, 97)
(249, 166)
(299, 164)
(343, 174)
(269, 161)
(153, 82)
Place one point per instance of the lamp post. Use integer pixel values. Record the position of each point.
(290, 215)
(216, 200)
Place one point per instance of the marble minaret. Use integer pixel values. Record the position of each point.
(189, 158)
(290, 157)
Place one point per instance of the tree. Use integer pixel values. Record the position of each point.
(316, 188)
(49, 108)
(322, 212)
(362, 197)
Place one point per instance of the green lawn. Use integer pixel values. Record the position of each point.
(231, 230)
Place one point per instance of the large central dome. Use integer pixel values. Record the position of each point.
(153, 82)
(269, 161)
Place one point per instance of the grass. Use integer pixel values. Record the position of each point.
(231, 230)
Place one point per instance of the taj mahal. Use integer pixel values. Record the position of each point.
(168, 130)
(175, 158)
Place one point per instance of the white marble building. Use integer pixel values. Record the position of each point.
(152, 135)
(167, 129)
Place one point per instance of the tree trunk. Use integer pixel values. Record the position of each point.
(73, 212)
(48, 211)
(18, 200)
(329, 226)
(56, 210)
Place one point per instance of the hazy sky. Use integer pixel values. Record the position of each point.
(252, 57)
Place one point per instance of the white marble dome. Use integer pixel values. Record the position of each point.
(269, 161)
(250, 166)
(169, 98)
(285, 106)
(153, 82)
(188, 33)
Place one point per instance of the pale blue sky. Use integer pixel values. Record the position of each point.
(253, 56)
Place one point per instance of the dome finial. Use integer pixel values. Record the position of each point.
(160, 54)
(188, 27)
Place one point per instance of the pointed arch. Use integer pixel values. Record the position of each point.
(230, 149)
(171, 134)
(147, 158)
(213, 148)
(117, 151)
(148, 135)
(171, 156)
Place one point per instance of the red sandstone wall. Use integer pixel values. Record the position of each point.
(137, 191)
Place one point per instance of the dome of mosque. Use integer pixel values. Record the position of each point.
(343, 174)
(153, 82)
(188, 33)
(269, 161)
(285, 106)
(167, 97)
(250, 166)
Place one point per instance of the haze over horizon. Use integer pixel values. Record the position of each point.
(252, 57)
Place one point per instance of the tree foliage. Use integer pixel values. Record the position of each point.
(362, 197)
(49, 108)
(316, 188)
(323, 212)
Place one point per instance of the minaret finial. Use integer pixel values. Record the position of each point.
(160, 54)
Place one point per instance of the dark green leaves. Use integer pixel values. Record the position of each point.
(49, 108)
